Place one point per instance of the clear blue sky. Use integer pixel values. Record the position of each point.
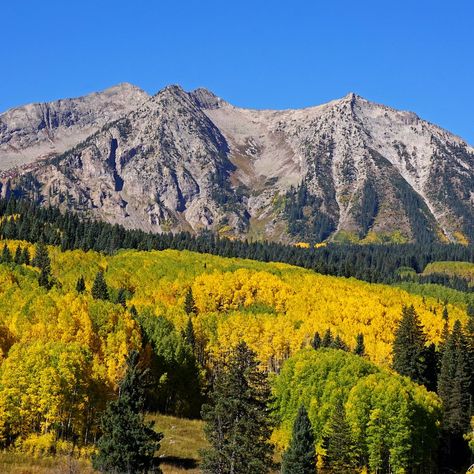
(416, 55)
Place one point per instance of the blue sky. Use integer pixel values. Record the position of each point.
(416, 55)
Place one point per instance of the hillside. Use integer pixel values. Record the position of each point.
(347, 170)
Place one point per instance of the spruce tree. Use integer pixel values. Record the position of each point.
(316, 341)
(300, 457)
(189, 335)
(189, 304)
(454, 384)
(338, 343)
(43, 262)
(237, 420)
(341, 456)
(18, 258)
(122, 297)
(100, 290)
(360, 346)
(327, 339)
(26, 256)
(6, 254)
(81, 284)
(128, 443)
(409, 346)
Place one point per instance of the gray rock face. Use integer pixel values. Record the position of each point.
(36, 131)
(349, 169)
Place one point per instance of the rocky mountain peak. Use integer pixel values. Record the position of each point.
(350, 169)
(206, 99)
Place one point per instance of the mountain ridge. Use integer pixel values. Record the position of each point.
(349, 169)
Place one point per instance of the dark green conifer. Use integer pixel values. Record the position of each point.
(18, 258)
(100, 290)
(81, 284)
(338, 343)
(409, 346)
(26, 256)
(316, 341)
(237, 420)
(327, 339)
(300, 457)
(454, 385)
(189, 335)
(341, 456)
(360, 346)
(6, 254)
(128, 443)
(122, 297)
(189, 304)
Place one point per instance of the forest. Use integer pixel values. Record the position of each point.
(292, 364)
(72, 320)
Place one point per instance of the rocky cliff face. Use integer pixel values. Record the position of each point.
(346, 170)
(36, 131)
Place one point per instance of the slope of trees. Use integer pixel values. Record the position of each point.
(24, 220)
(391, 422)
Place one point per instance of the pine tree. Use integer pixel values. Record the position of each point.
(189, 335)
(338, 343)
(237, 421)
(316, 341)
(43, 262)
(327, 339)
(300, 457)
(454, 384)
(100, 290)
(341, 456)
(360, 346)
(18, 259)
(41, 258)
(26, 256)
(6, 255)
(128, 443)
(81, 284)
(409, 346)
(122, 297)
(189, 304)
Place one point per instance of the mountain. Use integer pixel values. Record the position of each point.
(346, 170)
(40, 130)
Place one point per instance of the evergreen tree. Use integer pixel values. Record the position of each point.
(41, 258)
(81, 284)
(338, 343)
(237, 421)
(409, 346)
(6, 254)
(360, 346)
(189, 335)
(300, 457)
(100, 290)
(26, 256)
(122, 297)
(327, 339)
(454, 384)
(341, 456)
(189, 304)
(128, 444)
(316, 342)
(43, 262)
(18, 259)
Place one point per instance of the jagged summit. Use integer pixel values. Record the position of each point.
(206, 99)
(349, 169)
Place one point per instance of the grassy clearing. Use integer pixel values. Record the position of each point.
(179, 452)
(181, 445)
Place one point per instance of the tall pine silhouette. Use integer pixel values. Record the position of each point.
(128, 443)
(300, 457)
(409, 356)
(237, 420)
